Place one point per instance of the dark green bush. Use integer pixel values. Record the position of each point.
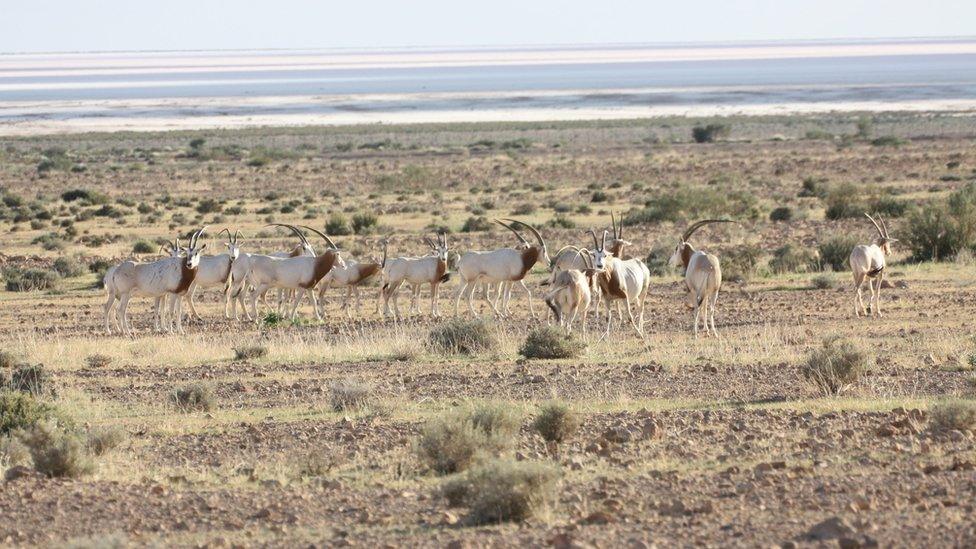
(741, 262)
(459, 336)
(20, 410)
(710, 132)
(29, 280)
(782, 213)
(938, 231)
(143, 247)
(250, 352)
(793, 259)
(476, 224)
(688, 203)
(69, 266)
(364, 222)
(835, 251)
(337, 225)
(550, 342)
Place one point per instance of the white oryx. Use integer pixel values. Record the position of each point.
(301, 273)
(571, 292)
(504, 265)
(868, 262)
(242, 266)
(569, 257)
(169, 277)
(352, 276)
(216, 271)
(415, 271)
(626, 280)
(703, 275)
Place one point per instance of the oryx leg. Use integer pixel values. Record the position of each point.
(877, 297)
(108, 310)
(435, 310)
(191, 294)
(711, 310)
(859, 302)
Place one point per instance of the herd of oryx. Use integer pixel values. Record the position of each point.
(579, 277)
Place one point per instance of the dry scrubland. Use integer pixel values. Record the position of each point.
(362, 432)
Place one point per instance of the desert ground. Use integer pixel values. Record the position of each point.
(681, 441)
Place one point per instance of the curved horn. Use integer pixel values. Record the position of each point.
(613, 222)
(883, 225)
(196, 237)
(620, 229)
(237, 236)
(225, 230)
(876, 226)
(429, 242)
(596, 244)
(531, 229)
(603, 246)
(587, 260)
(695, 226)
(324, 237)
(517, 235)
(294, 229)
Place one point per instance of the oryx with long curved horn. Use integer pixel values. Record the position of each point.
(217, 271)
(416, 271)
(868, 262)
(571, 292)
(621, 280)
(300, 273)
(506, 265)
(703, 275)
(169, 277)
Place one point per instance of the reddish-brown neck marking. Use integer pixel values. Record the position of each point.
(686, 252)
(366, 270)
(441, 269)
(612, 285)
(323, 264)
(187, 275)
(617, 248)
(529, 256)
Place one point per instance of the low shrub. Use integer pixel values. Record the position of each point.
(954, 415)
(250, 352)
(143, 247)
(364, 222)
(496, 419)
(710, 133)
(9, 359)
(56, 451)
(694, 203)
(741, 263)
(29, 280)
(835, 251)
(836, 365)
(556, 422)
(550, 342)
(69, 266)
(466, 337)
(103, 440)
(338, 225)
(350, 395)
(194, 397)
(782, 213)
(454, 442)
(30, 378)
(822, 282)
(504, 491)
(98, 360)
(939, 231)
(793, 259)
(21, 411)
(657, 259)
(476, 224)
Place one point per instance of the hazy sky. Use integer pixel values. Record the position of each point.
(85, 25)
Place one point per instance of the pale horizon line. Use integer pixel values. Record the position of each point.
(518, 47)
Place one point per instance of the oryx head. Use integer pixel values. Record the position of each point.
(684, 249)
(524, 244)
(233, 243)
(439, 247)
(617, 243)
(172, 249)
(600, 253)
(193, 250)
(884, 241)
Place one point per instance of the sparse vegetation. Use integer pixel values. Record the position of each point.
(30, 378)
(791, 258)
(350, 395)
(550, 342)
(938, 231)
(144, 247)
(504, 491)
(57, 451)
(103, 440)
(835, 366)
(455, 441)
(466, 337)
(953, 415)
(710, 133)
(98, 360)
(250, 352)
(556, 422)
(195, 397)
(835, 251)
(29, 280)
(20, 411)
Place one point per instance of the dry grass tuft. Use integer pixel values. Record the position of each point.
(556, 422)
(250, 352)
(954, 415)
(105, 439)
(504, 491)
(452, 443)
(194, 397)
(465, 337)
(30, 378)
(56, 451)
(350, 395)
(835, 366)
(98, 360)
(550, 342)
(19, 410)
(9, 360)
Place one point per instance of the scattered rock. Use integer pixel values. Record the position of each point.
(832, 528)
(651, 430)
(19, 472)
(619, 435)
